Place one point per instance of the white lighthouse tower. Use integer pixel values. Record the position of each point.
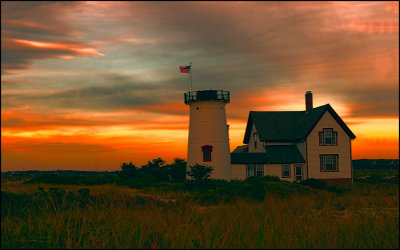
(208, 142)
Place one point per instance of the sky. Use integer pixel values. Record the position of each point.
(90, 85)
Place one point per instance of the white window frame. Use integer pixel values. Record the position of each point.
(252, 168)
(324, 135)
(283, 170)
(333, 159)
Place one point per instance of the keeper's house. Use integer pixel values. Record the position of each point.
(295, 145)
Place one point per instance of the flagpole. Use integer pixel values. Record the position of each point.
(191, 89)
(189, 82)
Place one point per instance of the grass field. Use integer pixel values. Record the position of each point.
(111, 216)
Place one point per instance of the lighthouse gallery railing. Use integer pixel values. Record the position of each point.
(207, 95)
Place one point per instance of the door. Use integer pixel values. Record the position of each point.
(298, 172)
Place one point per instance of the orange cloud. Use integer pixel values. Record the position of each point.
(392, 7)
(372, 26)
(173, 107)
(74, 48)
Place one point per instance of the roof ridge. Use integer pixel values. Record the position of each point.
(322, 106)
(281, 111)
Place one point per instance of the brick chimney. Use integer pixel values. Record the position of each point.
(309, 104)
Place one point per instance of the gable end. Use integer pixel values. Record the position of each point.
(248, 129)
(337, 119)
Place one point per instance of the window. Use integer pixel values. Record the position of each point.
(329, 163)
(255, 170)
(328, 137)
(285, 170)
(255, 140)
(207, 149)
(298, 172)
(250, 170)
(259, 170)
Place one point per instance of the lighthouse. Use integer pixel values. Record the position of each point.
(208, 142)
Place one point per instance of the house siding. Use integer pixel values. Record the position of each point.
(276, 170)
(342, 149)
(302, 147)
(260, 147)
(239, 171)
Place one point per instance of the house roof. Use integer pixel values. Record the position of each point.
(274, 154)
(274, 126)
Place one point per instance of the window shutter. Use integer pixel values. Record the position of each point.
(335, 163)
(334, 138)
(322, 162)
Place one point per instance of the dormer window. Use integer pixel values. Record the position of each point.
(207, 149)
(328, 137)
(255, 139)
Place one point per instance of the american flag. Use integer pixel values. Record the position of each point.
(184, 69)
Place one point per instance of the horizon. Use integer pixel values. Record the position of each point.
(137, 167)
(87, 86)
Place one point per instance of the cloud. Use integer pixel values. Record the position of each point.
(33, 31)
(66, 48)
(19, 54)
(116, 92)
(91, 98)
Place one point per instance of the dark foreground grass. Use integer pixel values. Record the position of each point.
(364, 217)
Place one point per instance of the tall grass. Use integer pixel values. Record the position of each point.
(366, 217)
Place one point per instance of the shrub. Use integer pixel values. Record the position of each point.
(141, 180)
(271, 178)
(200, 173)
(314, 183)
(337, 188)
(177, 170)
(156, 168)
(207, 197)
(128, 170)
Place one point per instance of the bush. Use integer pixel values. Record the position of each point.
(128, 170)
(141, 180)
(156, 168)
(271, 178)
(314, 183)
(337, 188)
(207, 197)
(200, 173)
(177, 170)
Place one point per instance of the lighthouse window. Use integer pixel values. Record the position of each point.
(207, 149)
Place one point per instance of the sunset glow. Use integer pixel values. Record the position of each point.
(90, 85)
